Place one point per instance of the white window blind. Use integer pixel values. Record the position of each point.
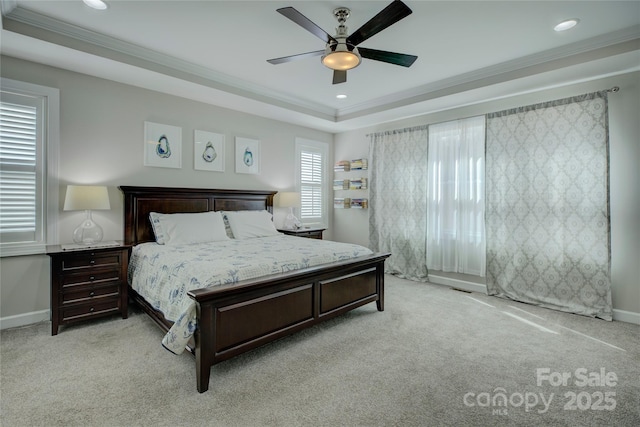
(310, 184)
(29, 130)
(18, 170)
(312, 176)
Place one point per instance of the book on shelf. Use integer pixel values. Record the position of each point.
(342, 166)
(340, 184)
(358, 184)
(342, 203)
(359, 203)
(359, 164)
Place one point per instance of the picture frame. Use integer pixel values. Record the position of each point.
(247, 155)
(162, 145)
(208, 151)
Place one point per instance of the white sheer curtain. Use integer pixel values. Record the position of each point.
(455, 207)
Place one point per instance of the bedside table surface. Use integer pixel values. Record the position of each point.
(62, 248)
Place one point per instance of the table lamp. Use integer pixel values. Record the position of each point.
(290, 200)
(87, 198)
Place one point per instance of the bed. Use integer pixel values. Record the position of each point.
(237, 317)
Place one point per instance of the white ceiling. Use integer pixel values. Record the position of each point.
(216, 52)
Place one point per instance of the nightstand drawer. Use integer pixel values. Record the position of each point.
(88, 293)
(89, 278)
(92, 260)
(98, 307)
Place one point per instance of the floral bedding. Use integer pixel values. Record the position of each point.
(164, 274)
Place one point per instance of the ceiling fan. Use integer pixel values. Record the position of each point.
(341, 52)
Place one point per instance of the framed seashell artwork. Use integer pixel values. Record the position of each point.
(247, 155)
(162, 145)
(208, 151)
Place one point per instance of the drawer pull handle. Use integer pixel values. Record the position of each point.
(93, 261)
(92, 309)
(92, 293)
(92, 278)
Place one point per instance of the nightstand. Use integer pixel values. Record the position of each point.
(310, 233)
(87, 283)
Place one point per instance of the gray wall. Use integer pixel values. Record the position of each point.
(101, 134)
(624, 136)
(101, 142)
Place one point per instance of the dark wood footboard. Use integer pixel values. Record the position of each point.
(246, 315)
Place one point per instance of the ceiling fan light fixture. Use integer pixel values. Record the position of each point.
(339, 57)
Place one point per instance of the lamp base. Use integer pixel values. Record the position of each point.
(291, 222)
(88, 232)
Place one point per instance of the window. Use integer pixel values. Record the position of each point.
(312, 175)
(28, 167)
(455, 197)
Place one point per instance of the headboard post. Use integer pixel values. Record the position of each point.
(140, 201)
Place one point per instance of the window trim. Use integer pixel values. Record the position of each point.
(322, 147)
(51, 155)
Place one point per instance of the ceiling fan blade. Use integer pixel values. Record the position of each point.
(390, 57)
(305, 23)
(290, 58)
(388, 16)
(339, 76)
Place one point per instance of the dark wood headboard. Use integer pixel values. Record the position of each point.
(139, 201)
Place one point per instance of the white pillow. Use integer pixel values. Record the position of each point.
(248, 224)
(182, 228)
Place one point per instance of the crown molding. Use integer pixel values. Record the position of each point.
(33, 24)
(621, 41)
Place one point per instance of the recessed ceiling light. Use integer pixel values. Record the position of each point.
(566, 25)
(95, 4)
(341, 96)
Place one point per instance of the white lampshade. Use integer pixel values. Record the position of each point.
(289, 199)
(86, 197)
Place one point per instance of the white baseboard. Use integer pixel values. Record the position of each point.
(24, 319)
(618, 315)
(626, 316)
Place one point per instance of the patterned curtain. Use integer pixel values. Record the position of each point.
(547, 207)
(398, 199)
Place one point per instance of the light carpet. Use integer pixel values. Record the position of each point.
(434, 357)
